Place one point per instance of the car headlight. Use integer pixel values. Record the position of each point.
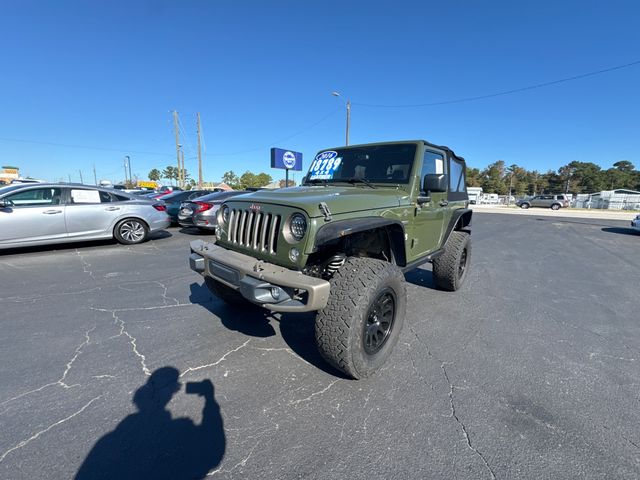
(298, 226)
(224, 213)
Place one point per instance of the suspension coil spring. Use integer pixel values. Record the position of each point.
(335, 263)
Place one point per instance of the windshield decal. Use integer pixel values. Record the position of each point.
(324, 165)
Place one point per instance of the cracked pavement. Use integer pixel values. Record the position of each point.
(531, 371)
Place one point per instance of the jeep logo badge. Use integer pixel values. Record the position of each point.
(255, 208)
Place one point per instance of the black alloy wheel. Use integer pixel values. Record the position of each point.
(379, 322)
(462, 265)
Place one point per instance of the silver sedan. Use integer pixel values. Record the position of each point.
(202, 212)
(43, 213)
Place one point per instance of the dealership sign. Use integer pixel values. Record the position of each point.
(286, 159)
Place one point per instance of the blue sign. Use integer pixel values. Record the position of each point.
(286, 159)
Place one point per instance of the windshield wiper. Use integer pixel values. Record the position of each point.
(353, 180)
(317, 180)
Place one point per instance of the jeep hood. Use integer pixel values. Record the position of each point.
(338, 199)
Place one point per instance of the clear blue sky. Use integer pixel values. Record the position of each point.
(107, 74)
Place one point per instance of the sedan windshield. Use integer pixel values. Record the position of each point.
(368, 164)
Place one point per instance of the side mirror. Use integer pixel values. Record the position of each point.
(434, 183)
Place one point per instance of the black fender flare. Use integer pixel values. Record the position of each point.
(460, 220)
(342, 228)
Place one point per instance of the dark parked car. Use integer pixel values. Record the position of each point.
(202, 212)
(554, 202)
(174, 199)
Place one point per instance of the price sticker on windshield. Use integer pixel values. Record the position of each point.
(324, 165)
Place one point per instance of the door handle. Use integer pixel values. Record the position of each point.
(111, 209)
(444, 203)
(51, 212)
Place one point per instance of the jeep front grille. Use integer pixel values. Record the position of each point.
(258, 231)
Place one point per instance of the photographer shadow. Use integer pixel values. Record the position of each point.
(297, 329)
(152, 444)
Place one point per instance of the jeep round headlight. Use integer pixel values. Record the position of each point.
(225, 213)
(298, 226)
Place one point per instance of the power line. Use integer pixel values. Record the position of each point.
(299, 132)
(505, 92)
(86, 147)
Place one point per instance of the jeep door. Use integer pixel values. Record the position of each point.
(32, 215)
(429, 217)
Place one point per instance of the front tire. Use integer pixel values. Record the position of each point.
(360, 325)
(524, 206)
(131, 231)
(450, 268)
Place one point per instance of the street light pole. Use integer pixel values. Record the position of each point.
(348, 105)
(129, 163)
(348, 122)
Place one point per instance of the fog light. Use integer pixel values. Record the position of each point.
(294, 254)
(275, 293)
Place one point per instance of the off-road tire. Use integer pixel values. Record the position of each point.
(131, 231)
(356, 292)
(447, 272)
(555, 206)
(225, 293)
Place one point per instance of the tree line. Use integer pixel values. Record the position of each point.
(246, 180)
(575, 177)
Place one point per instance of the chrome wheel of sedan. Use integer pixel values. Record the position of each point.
(131, 231)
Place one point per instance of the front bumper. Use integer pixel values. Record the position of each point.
(635, 223)
(271, 286)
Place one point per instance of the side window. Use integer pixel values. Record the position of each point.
(457, 185)
(119, 198)
(456, 176)
(105, 197)
(83, 196)
(433, 163)
(36, 197)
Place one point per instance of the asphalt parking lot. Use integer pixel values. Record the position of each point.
(531, 371)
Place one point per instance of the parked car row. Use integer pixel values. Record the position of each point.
(45, 213)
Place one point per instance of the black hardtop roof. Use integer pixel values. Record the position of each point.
(428, 144)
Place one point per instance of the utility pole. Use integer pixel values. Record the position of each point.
(81, 180)
(199, 155)
(125, 170)
(129, 164)
(182, 179)
(175, 127)
(69, 177)
(348, 119)
(95, 177)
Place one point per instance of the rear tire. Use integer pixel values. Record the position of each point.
(360, 325)
(131, 231)
(225, 293)
(555, 206)
(450, 268)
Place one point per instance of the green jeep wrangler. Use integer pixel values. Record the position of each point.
(340, 243)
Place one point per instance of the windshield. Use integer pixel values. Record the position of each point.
(375, 164)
